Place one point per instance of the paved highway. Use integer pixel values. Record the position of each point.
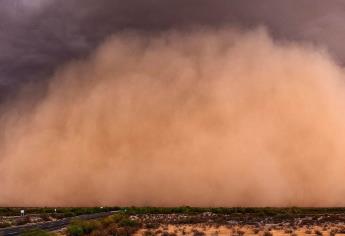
(51, 225)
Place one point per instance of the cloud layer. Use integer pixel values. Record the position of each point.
(38, 36)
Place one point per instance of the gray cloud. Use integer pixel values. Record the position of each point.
(38, 36)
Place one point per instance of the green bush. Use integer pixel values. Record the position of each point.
(107, 221)
(118, 217)
(68, 214)
(81, 227)
(128, 223)
(75, 230)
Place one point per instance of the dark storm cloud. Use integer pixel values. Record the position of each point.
(37, 36)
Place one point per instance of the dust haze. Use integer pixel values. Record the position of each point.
(205, 118)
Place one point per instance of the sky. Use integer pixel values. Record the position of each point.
(38, 36)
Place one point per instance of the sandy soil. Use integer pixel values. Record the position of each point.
(203, 229)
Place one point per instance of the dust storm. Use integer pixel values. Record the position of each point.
(204, 118)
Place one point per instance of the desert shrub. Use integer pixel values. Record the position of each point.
(165, 233)
(4, 224)
(333, 232)
(112, 229)
(240, 232)
(107, 221)
(68, 214)
(36, 232)
(80, 227)
(120, 231)
(58, 216)
(276, 212)
(125, 222)
(98, 232)
(148, 233)
(91, 225)
(23, 220)
(308, 231)
(118, 225)
(83, 210)
(318, 232)
(267, 233)
(116, 218)
(75, 230)
(198, 233)
(45, 217)
(151, 225)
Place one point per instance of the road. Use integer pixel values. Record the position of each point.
(51, 225)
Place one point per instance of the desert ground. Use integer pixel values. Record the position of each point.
(182, 221)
